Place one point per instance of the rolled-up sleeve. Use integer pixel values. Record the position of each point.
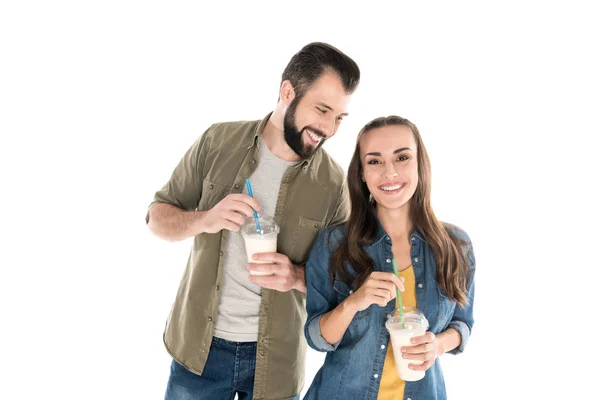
(462, 320)
(184, 188)
(320, 296)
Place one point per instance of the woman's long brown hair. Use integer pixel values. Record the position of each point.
(361, 227)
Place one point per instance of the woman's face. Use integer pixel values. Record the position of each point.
(390, 169)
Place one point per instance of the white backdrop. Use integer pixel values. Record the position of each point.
(99, 100)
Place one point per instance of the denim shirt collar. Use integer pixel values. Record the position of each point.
(382, 234)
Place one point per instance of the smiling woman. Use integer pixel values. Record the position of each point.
(391, 219)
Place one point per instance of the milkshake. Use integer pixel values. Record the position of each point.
(256, 242)
(415, 324)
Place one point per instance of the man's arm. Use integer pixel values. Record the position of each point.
(172, 223)
(342, 208)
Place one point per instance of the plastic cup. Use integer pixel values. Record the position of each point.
(256, 242)
(415, 325)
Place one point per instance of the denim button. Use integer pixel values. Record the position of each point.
(351, 291)
(420, 285)
(375, 376)
(416, 259)
(387, 260)
(382, 346)
(387, 238)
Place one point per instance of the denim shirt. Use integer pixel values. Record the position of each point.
(353, 366)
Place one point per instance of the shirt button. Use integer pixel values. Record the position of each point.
(217, 287)
(387, 260)
(209, 319)
(416, 259)
(236, 186)
(211, 186)
(221, 253)
(375, 376)
(316, 225)
(382, 346)
(253, 162)
(420, 285)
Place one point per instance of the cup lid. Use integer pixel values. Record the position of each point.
(267, 225)
(411, 315)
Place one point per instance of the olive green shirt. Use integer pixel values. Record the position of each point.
(312, 196)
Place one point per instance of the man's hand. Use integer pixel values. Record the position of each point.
(285, 275)
(230, 213)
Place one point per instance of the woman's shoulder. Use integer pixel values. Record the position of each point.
(465, 241)
(332, 236)
(457, 232)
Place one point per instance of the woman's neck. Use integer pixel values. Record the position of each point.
(396, 222)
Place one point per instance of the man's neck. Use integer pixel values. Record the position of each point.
(273, 136)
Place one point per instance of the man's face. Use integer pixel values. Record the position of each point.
(316, 116)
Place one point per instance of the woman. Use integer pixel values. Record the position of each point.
(351, 287)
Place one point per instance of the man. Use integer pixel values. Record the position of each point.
(228, 331)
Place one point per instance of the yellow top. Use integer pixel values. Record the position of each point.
(392, 386)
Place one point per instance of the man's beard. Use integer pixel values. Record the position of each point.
(293, 136)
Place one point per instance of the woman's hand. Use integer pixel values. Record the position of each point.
(424, 348)
(379, 288)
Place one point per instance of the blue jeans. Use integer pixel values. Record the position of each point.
(229, 370)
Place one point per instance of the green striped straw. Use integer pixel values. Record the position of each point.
(400, 309)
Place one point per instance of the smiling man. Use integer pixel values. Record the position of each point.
(230, 332)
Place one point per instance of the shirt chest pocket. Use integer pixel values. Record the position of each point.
(342, 292)
(212, 194)
(305, 234)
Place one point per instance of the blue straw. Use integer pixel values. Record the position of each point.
(249, 187)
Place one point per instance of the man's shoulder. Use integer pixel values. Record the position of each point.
(232, 133)
(327, 171)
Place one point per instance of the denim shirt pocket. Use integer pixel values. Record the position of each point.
(343, 291)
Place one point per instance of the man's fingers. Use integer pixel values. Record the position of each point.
(264, 268)
(234, 217)
(244, 198)
(271, 257)
(230, 226)
(241, 207)
(268, 282)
